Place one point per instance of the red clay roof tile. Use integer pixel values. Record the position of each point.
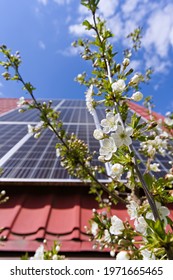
(28, 218)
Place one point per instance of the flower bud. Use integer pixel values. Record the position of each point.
(135, 80)
(98, 134)
(123, 255)
(126, 62)
(119, 86)
(137, 96)
(3, 192)
(57, 248)
(112, 253)
(55, 257)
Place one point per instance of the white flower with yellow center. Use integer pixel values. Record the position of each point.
(119, 86)
(122, 136)
(117, 226)
(108, 148)
(116, 170)
(110, 123)
(154, 167)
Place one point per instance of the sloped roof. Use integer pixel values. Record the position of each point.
(7, 104)
(45, 202)
(29, 218)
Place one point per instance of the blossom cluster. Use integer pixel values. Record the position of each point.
(157, 145)
(42, 253)
(119, 135)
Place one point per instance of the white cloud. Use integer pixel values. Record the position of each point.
(124, 16)
(159, 65)
(108, 8)
(70, 51)
(159, 30)
(44, 2)
(59, 2)
(129, 6)
(62, 2)
(1, 85)
(42, 45)
(78, 29)
(135, 64)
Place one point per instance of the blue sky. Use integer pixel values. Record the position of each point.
(43, 30)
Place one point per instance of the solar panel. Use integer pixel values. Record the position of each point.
(36, 159)
(24, 157)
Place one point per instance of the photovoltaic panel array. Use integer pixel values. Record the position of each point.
(36, 158)
(23, 157)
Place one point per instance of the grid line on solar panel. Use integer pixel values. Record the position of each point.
(10, 135)
(36, 155)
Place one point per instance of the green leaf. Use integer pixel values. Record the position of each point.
(157, 227)
(149, 180)
(87, 24)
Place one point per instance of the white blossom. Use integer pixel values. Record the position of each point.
(107, 237)
(135, 79)
(123, 255)
(37, 135)
(116, 170)
(168, 121)
(169, 176)
(39, 254)
(58, 152)
(157, 144)
(101, 158)
(132, 210)
(54, 257)
(154, 167)
(137, 96)
(3, 192)
(163, 213)
(122, 136)
(90, 100)
(31, 129)
(126, 62)
(98, 134)
(21, 102)
(112, 253)
(94, 228)
(117, 225)
(57, 248)
(108, 148)
(147, 255)
(110, 123)
(119, 86)
(140, 225)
